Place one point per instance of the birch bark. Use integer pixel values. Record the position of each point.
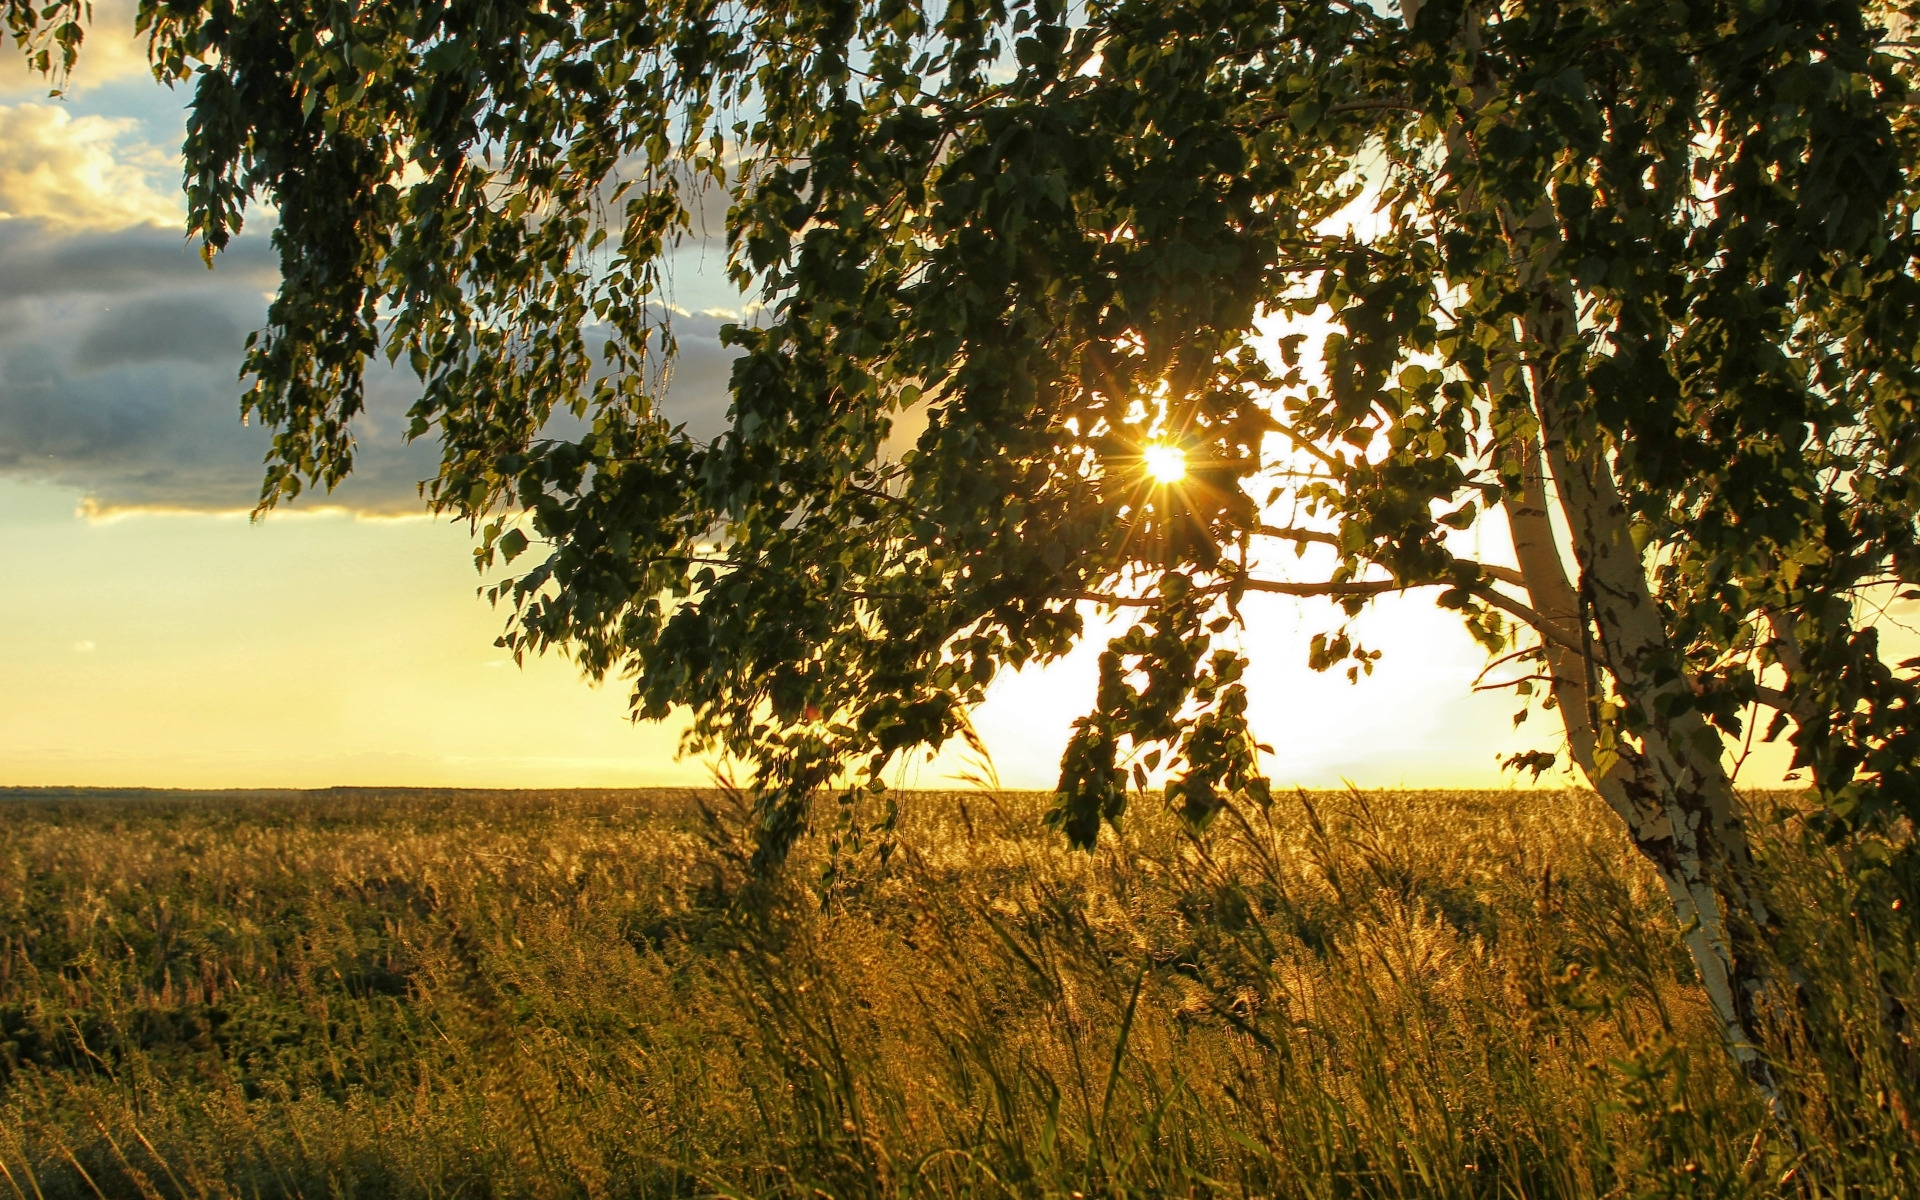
(1671, 790)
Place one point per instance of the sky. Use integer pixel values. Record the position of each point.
(156, 636)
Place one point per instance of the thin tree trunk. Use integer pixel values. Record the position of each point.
(1673, 790)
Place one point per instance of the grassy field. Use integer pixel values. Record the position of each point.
(426, 994)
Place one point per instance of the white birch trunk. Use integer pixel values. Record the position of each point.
(1672, 791)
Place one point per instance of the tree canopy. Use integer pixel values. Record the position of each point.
(1637, 274)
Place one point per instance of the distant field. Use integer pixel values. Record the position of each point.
(430, 994)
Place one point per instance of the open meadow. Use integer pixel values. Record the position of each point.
(437, 994)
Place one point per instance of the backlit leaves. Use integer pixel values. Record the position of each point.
(1002, 247)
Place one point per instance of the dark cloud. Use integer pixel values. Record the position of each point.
(698, 395)
(160, 329)
(119, 356)
(35, 262)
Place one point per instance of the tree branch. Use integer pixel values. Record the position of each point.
(1770, 696)
(1365, 587)
(1298, 535)
(1541, 626)
(1341, 590)
(1375, 104)
(1500, 574)
(1387, 102)
(1507, 683)
(1116, 601)
(873, 493)
(1369, 587)
(1302, 442)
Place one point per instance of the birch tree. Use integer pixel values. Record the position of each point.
(1121, 304)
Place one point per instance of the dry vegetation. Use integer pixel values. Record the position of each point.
(445, 994)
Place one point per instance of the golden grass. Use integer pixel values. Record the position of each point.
(581, 994)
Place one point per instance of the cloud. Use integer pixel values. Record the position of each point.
(698, 396)
(119, 361)
(76, 173)
(160, 329)
(120, 350)
(38, 261)
(112, 51)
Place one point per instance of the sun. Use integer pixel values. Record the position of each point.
(1164, 462)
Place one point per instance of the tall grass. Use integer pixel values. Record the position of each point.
(583, 994)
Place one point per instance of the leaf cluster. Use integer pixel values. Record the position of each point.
(1002, 248)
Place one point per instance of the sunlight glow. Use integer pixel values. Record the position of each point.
(1164, 463)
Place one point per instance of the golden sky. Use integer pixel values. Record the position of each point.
(156, 636)
(193, 649)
